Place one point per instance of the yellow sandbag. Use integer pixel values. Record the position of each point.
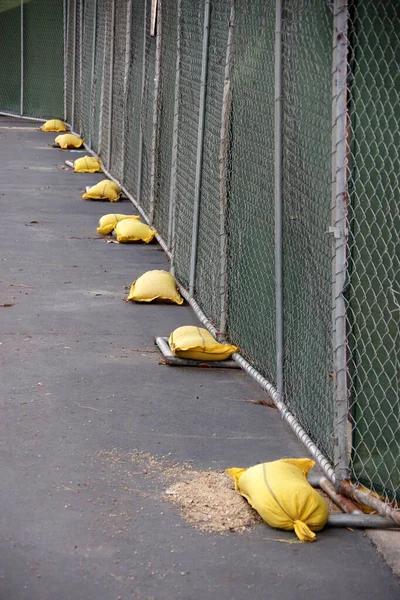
(104, 190)
(280, 493)
(68, 140)
(54, 125)
(87, 164)
(196, 343)
(155, 285)
(134, 231)
(108, 222)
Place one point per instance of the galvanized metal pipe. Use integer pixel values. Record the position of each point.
(110, 90)
(365, 497)
(172, 185)
(16, 116)
(73, 68)
(278, 199)
(343, 503)
(175, 361)
(140, 153)
(156, 102)
(340, 238)
(200, 145)
(288, 417)
(94, 39)
(21, 106)
(361, 521)
(126, 77)
(223, 177)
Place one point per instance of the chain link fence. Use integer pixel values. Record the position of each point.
(306, 200)
(32, 51)
(191, 26)
(251, 220)
(261, 140)
(166, 114)
(118, 89)
(134, 98)
(373, 285)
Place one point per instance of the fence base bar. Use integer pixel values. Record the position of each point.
(175, 361)
(345, 504)
(385, 510)
(361, 521)
(7, 114)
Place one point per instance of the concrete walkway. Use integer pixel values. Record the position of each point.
(82, 388)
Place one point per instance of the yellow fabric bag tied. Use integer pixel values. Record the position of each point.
(108, 222)
(130, 230)
(54, 125)
(155, 285)
(69, 140)
(87, 164)
(196, 343)
(104, 190)
(280, 493)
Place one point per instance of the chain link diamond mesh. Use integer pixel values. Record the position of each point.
(78, 114)
(104, 147)
(10, 69)
(69, 58)
(191, 42)
(43, 59)
(373, 292)
(96, 113)
(87, 56)
(118, 91)
(306, 199)
(134, 94)
(251, 270)
(147, 113)
(166, 111)
(208, 268)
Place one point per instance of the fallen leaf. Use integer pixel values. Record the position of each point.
(260, 401)
(6, 304)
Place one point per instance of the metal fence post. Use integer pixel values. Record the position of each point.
(223, 174)
(73, 70)
(126, 76)
(21, 109)
(91, 118)
(140, 155)
(200, 143)
(110, 91)
(278, 198)
(339, 231)
(172, 189)
(155, 112)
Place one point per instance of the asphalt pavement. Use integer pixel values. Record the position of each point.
(83, 390)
